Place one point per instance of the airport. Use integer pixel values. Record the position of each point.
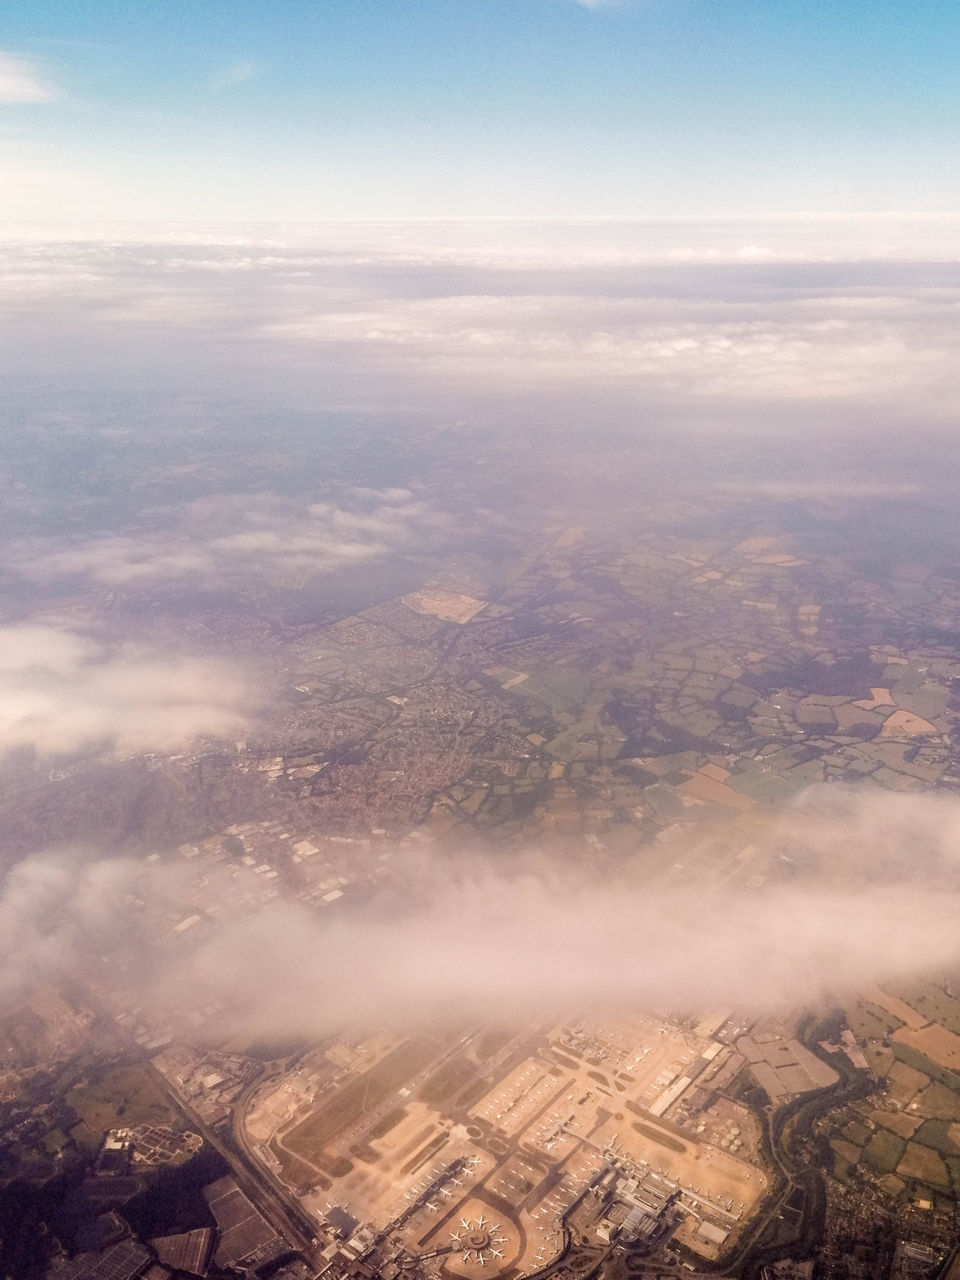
(489, 1153)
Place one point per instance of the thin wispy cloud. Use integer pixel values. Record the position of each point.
(234, 73)
(22, 80)
(260, 536)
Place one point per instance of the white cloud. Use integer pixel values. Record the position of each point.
(797, 312)
(61, 693)
(872, 896)
(255, 535)
(22, 80)
(238, 72)
(737, 347)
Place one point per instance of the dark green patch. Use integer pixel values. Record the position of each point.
(884, 1151)
(387, 1122)
(933, 1133)
(661, 1139)
(920, 1062)
(451, 1077)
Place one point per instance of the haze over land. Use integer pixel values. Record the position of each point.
(479, 640)
(206, 426)
(869, 891)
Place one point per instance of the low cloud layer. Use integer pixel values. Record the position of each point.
(61, 692)
(816, 313)
(260, 536)
(870, 891)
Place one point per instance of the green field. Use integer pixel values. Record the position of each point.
(924, 1165)
(450, 1079)
(939, 1103)
(360, 1095)
(657, 1136)
(932, 1002)
(884, 1151)
(492, 1042)
(294, 1172)
(122, 1097)
(933, 1133)
(920, 1062)
(389, 1121)
(869, 1021)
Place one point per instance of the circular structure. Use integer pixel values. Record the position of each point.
(479, 1241)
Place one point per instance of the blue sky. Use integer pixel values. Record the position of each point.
(209, 109)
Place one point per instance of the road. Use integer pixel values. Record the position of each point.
(281, 1210)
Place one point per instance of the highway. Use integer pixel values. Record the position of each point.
(281, 1209)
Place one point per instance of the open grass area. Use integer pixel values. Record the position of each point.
(880, 1058)
(450, 1079)
(360, 1095)
(344, 1109)
(293, 1171)
(848, 1152)
(492, 1042)
(932, 1003)
(120, 1097)
(389, 1121)
(935, 1043)
(884, 1151)
(924, 1165)
(912, 1057)
(570, 1063)
(892, 1185)
(473, 1093)
(939, 1103)
(857, 1132)
(659, 1137)
(869, 1021)
(898, 1122)
(936, 1134)
(904, 1081)
(423, 1155)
